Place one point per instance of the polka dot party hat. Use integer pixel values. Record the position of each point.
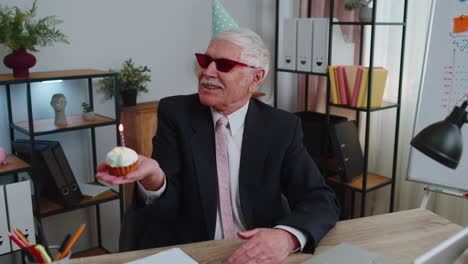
(221, 20)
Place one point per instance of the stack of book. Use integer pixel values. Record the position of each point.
(349, 85)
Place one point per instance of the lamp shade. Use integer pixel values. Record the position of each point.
(442, 141)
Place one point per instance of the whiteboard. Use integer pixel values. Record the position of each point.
(444, 85)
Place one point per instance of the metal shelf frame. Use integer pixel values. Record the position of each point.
(7, 81)
(367, 110)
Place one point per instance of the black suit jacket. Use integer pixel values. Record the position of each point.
(273, 163)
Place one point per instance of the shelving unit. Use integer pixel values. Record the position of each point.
(368, 181)
(33, 128)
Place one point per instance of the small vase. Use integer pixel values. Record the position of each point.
(88, 116)
(366, 14)
(129, 97)
(20, 61)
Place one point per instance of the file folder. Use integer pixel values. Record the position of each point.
(320, 45)
(20, 211)
(345, 142)
(5, 243)
(288, 59)
(304, 44)
(75, 192)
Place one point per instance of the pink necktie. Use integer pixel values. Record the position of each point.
(222, 164)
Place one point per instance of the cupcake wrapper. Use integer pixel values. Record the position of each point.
(121, 171)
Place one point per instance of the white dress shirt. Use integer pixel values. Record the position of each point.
(234, 144)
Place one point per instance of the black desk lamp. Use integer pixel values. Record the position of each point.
(442, 141)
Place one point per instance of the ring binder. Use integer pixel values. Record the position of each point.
(345, 142)
(56, 179)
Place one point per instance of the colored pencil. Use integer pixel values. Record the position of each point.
(43, 238)
(21, 237)
(73, 240)
(62, 246)
(37, 254)
(43, 253)
(17, 242)
(28, 245)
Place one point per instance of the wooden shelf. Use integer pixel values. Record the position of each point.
(368, 23)
(258, 95)
(54, 75)
(49, 207)
(47, 126)
(90, 252)
(13, 165)
(303, 72)
(374, 181)
(385, 105)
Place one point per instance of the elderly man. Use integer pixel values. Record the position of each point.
(223, 163)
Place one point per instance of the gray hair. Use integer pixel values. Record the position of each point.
(254, 51)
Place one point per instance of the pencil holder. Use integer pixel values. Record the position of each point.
(53, 250)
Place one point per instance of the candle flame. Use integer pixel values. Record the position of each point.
(121, 128)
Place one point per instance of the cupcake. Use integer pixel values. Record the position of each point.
(121, 160)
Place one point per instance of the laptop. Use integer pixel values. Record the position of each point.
(349, 254)
(447, 251)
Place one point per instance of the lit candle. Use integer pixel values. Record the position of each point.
(122, 139)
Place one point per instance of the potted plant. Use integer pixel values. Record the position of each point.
(365, 14)
(88, 113)
(20, 32)
(132, 80)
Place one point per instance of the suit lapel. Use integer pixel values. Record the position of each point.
(252, 161)
(204, 155)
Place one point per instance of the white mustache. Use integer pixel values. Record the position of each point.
(206, 81)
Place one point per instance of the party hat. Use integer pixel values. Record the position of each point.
(221, 20)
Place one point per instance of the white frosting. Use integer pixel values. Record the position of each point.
(121, 157)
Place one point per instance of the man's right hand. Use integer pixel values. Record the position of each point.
(148, 173)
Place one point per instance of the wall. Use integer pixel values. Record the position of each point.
(160, 34)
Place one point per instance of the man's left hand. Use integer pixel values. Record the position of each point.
(264, 245)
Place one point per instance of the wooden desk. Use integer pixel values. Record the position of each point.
(402, 236)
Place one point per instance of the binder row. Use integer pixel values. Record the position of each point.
(306, 42)
(56, 179)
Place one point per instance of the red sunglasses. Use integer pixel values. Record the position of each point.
(222, 65)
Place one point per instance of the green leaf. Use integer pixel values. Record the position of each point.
(18, 29)
(130, 77)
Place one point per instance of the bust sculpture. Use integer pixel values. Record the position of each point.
(58, 102)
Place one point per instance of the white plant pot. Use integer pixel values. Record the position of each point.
(366, 14)
(89, 116)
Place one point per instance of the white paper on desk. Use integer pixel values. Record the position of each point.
(175, 255)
